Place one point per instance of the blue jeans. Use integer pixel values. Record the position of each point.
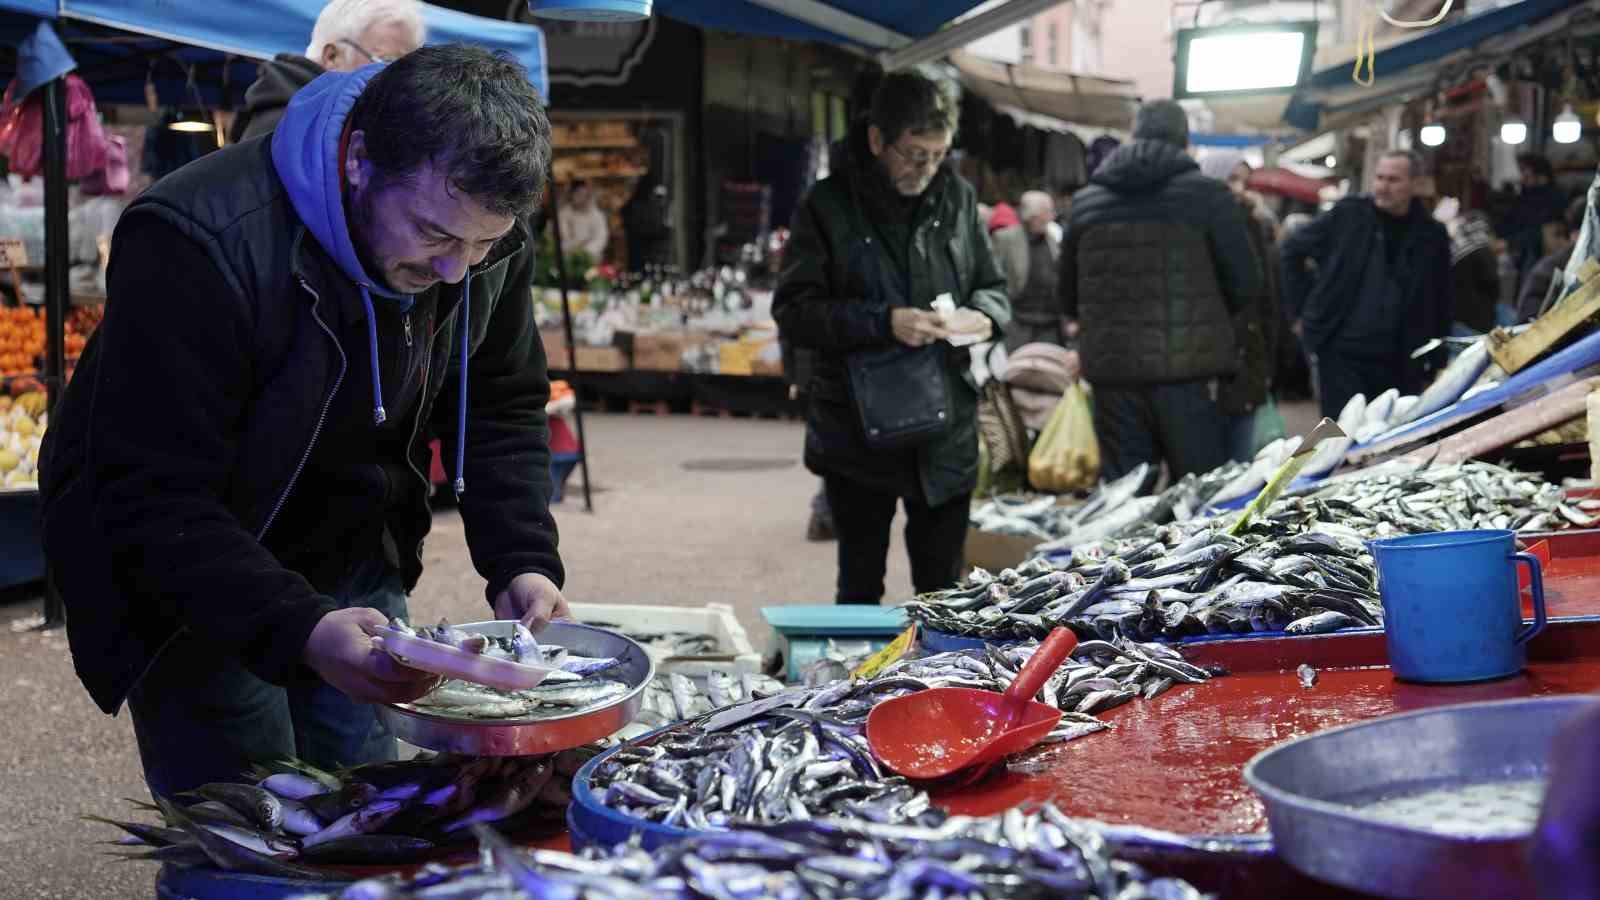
(200, 716)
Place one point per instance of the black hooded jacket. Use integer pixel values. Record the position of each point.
(1155, 260)
(276, 81)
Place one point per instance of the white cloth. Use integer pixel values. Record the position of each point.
(586, 230)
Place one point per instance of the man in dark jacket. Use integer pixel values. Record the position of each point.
(1545, 277)
(1155, 261)
(872, 247)
(307, 299)
(1382, 287)
(349, 34)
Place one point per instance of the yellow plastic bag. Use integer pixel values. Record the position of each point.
(1066, 457)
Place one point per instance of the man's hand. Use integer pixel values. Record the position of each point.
(341, 651)
(916, 327)
(1298, 328)
(532, 598)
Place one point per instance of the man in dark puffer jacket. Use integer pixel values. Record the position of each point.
(1155, 260)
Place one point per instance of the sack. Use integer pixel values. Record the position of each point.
(1066, 457)
(901, 395)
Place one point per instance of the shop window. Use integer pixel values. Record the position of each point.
(1052, 41)
(1025, 39)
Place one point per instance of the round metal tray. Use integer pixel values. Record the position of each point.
(1424, 804)
(538, 735)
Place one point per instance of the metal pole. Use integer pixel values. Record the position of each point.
(55, 281)
(553, 222)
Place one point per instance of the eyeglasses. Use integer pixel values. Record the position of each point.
(920, 158)
(367, 53)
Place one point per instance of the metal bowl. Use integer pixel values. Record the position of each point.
(535, 735)
(1424, 804)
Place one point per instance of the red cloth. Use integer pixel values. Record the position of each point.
(22, 131)
(1003, 217)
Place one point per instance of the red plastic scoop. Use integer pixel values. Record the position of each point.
(937, 732)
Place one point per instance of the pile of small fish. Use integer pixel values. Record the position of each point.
(1402, 498)
(465, 700)
(1182, 581)
(802, 754)
(520, 647)
(295, 814)
(1018, 855)
(675, 697)
(1110, 511)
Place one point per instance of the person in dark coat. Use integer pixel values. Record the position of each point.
(326, 301)
(349, 34)
(1155, 263)
(872, 246)
(1546, 275)
(1474, 271)
(1539, 201)
(1381, 288)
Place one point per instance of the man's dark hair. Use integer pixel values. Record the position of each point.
(912, 103)
(1161, 120)
(471, 113)
(1575, 213)
(1419, 167)
(1536, 163)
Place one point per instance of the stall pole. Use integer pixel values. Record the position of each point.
(553, 222)
(55, 281)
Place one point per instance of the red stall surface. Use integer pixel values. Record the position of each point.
(1176, 762)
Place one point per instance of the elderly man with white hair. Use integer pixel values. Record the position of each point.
(349, 34)
(1027, 252)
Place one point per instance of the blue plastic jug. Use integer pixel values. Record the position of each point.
(1450, 605)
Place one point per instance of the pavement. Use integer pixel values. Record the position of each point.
(686, 511)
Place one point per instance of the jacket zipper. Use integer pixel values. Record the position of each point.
(406, 320)
(427, 369)
(322, 417)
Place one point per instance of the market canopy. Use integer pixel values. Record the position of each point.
(117, 65)
(1075, 99)
(868, 23)
(1404, 64)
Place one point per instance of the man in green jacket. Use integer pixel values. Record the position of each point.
(872, 247)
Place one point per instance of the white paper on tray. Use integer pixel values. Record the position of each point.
(453, 662)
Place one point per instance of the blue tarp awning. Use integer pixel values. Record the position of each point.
(258, 29)
(910, 19)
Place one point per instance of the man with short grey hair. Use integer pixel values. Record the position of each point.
(349, 34)
(1155, 261)
(1380, 290)
(1027, 252)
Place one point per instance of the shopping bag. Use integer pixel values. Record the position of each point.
(1066, 457)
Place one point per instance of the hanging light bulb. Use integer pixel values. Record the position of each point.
(1431, 134)
(1513, 130)
(1567, 128)
(1330, 161)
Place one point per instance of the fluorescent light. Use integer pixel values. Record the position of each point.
(1431, 135)
(1243, 59)
(1567, 128)
(1513, 131)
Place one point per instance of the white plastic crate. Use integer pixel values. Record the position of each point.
(715, 619)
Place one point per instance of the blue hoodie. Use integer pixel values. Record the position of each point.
(305, 152)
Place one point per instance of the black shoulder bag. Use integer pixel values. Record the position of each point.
(900, 392)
